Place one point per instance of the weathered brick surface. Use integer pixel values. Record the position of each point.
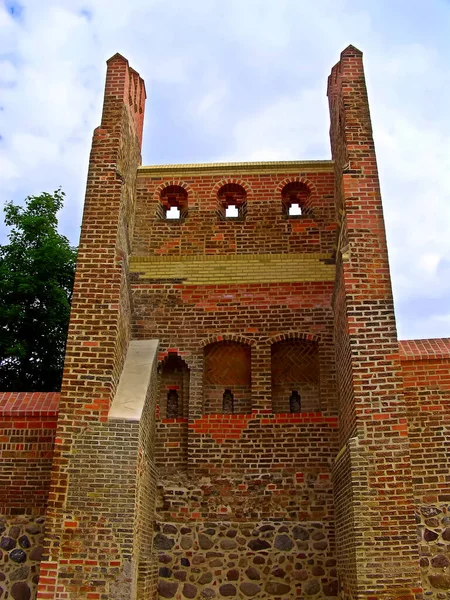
(426, 378)
(374, 463)
(27, 434)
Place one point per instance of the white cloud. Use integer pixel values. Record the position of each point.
(241, 80)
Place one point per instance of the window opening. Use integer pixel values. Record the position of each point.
(232, 202)
(295, 402)
(172, 404)
(295, 198)
(294, 209)
(228, 402)
(231, 211)
(173, 213)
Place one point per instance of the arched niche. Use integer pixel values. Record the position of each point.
(295, 376)
(227, 378)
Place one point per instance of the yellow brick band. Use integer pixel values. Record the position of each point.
(252, 268)
(285, 166)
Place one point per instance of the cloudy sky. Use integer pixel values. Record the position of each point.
(241, 80)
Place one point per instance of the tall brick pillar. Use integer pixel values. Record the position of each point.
(86, 553)
(375, 527)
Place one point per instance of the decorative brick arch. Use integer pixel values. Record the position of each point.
(172, 182)
(292, 335)
(295, 372)
(227, 180)
(312, 188)
(227, 337)
(306, 203)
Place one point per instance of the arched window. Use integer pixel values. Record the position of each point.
(295, 199)
(173, 203)
(295, 376)
(227, 378)
(232, 202)
(173, 387)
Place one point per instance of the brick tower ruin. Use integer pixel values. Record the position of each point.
(237, 417)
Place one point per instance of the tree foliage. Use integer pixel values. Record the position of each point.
(37, 270)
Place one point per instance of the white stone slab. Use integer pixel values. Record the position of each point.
(134, 381)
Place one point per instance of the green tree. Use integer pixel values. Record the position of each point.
(37, 270)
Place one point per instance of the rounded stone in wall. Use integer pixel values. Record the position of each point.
(21, 591)
(18, 556)
(283, 542)
(278, 572)
(36, 553)
(162, 542)
(33, 528)
(429, 535)
(216, 562)
(228, 544)
(208, 593)
(165, 559)
(424, 562)
(205, 578)
(7, 543)
(2, 577)
(20, 573)
(276, 588)
(24, 541)
(252, 573)
(233, 575)
(227, 589)
(430, 511)
(14, 531)
(189, 590)
(249, 589)
(322, 545)
(205, 542)
(167, 589)
(300, 533)
(446, 534)
(312, 587)
(440, 581)
(258, 545)
(168, 528)
(186, 542)
(440, 561)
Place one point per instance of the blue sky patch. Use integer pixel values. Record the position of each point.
(14, 8)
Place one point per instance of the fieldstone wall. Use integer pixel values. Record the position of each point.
(227, 559)
(21, 539)
(434, 547)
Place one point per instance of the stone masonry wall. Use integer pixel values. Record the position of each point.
(27, 433)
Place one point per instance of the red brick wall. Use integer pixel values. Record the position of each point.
(228, 472)
(426, 378)
(265, 228)
(372, 473)
(27, 434)
(98, 337)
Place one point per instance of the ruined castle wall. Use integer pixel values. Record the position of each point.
(245, 502)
